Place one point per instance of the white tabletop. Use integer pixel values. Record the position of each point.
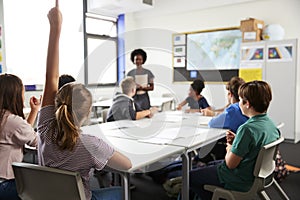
(155, 101)
(167, 134)
(140, 154)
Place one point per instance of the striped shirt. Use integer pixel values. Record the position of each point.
(89, 152)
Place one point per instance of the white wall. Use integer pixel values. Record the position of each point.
(159, 45)
(3, 37)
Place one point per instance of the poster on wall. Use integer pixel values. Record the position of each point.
(252, 54)
(179, 39)
(179, 62)
(251, 71)
(280, 53)
(179, 50)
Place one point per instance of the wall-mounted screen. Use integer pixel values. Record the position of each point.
(212, 56)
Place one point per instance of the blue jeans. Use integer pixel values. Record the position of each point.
(110, 193)
(206, 175)
(8, 190)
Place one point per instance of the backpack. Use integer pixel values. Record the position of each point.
(280, 171)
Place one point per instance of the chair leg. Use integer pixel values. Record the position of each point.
(222, 194)
(280, 190)
(263, 195)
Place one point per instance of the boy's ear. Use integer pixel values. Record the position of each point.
(133, 89)
(248, 104)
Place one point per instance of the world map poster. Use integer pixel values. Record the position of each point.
(215, 50)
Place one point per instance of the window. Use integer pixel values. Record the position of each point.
(26, 34)
(102, 49)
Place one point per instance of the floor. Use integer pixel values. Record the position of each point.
(146, 189)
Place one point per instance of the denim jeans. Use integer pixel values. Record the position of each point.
(8, 190)
(110, 193)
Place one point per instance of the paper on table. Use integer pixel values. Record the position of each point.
(204, 120)
(176, 112)
(157, 140)
(171, 134)
(173, 118)
(118, 125)
(117, 133)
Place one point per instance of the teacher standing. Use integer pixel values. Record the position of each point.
(143, 78)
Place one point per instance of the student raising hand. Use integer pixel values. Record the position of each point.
(52, 70)
(62, 114)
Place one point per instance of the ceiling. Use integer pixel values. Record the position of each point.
(115, 7)
(159, 7)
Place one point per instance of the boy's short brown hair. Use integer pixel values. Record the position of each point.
(258, 93)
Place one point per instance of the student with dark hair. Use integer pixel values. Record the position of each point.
(15, 131)
(195, 100)
(236, 171)
(139, 57)
(64, 79)
(61, 142)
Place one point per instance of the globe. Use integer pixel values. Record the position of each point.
(273, 32)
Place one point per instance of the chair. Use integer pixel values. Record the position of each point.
(101, 119)
(173, 102)
(104, 114)
(166, 106)
(280, 125)
(36, 182)
(263, 173)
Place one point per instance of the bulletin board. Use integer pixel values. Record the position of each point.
(211, 55)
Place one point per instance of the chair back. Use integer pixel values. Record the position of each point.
(36, 182)
(173, 102)
(280, 125)
(166, 106)
(104, 114)
(265, 162)
(263, 172)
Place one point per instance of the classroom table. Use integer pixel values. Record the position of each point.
(172, 133)
(155, 101)
(147, 141)
(142, 155)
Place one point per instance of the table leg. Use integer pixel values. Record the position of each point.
(125, 184)
(185, 177)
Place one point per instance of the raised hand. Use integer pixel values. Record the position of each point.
(55, 16)
(35, 103)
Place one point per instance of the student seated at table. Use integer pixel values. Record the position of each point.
(236, 171)
(231, 118)
(61, 142)
(15, 131)
(123, 106)
(195, 100)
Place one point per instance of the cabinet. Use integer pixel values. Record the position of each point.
(276, 63)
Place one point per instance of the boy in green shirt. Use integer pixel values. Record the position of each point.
(236, 171)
